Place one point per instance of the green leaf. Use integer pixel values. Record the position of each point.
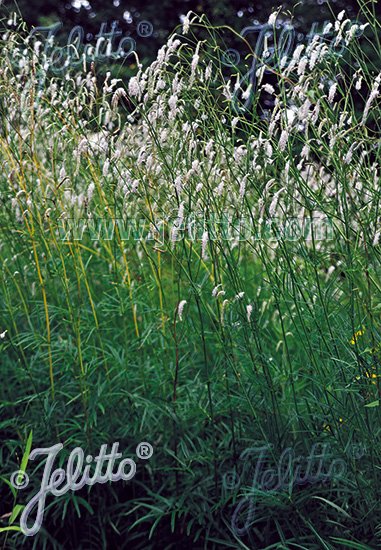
(13, 490)
(11, 528)
(334, 506)
(373, 404)
(15, 512)
(351, 544)
(26, 454)
(86, 505)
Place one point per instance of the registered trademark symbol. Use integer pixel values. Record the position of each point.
(144, 450)
(231, 57)
(231, 480)
(356, 451)
(145, 29)
(19, 479)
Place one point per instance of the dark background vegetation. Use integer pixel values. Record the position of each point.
(166, 15)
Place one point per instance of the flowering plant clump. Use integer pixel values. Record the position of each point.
(244, 329)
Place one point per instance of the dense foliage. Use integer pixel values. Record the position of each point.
(156, 285)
